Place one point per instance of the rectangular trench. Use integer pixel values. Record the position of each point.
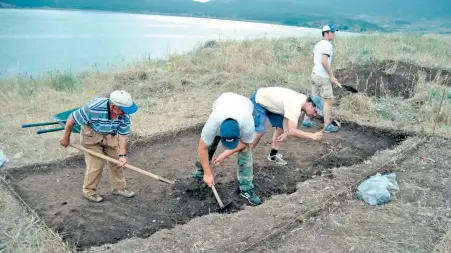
(54, 190)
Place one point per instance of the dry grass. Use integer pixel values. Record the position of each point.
(444, 246)
(178, 92)
(424, 50)
(22, 232)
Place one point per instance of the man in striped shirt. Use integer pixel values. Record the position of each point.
(105, 126)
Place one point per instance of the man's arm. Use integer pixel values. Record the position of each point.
(123, 144)
(123, 149)
(65, 140)
(325, 62)
(123, 131)
(228, 152)
(80, 117)
(202, 149)
(293, 131)
(221, 158)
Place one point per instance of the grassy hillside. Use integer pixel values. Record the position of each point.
(353, 15)
(163, 87)
(178, 92)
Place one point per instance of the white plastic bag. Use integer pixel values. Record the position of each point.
(374, 190)
(3, 159)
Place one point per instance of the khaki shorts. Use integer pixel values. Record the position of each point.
(321, 86)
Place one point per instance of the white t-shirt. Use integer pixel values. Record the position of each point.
(321, 48)
(282, 101)
(230, 105)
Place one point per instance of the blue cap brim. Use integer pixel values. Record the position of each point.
(229, 145)
(129, 110)
(318, 102)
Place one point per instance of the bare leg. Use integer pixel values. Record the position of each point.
(277, 132)
(273, 155)
(327, 111)
(257, 138)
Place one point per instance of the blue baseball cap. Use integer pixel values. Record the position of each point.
(318, 102)
(329, 28)
(230, 133)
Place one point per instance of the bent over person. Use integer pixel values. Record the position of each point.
(231, 123)
(105, 126)
(282, 107)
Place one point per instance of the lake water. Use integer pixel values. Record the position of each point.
(36, 41)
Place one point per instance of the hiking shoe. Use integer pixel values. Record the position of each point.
(277, 159)
(124, 192)
(199, 175)
(251, 197)
(93, 198)
(331, 128)
(308, 123)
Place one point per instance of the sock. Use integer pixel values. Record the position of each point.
(273, 152)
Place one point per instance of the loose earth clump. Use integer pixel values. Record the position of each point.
(54, 190)
(389, 78)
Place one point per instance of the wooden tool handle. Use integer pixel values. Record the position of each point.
(217, 196)
(325, 127)
(110, 159)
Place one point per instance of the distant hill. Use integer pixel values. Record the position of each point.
(352, 15)
(5, 5)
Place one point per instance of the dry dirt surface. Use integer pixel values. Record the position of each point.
(416, 219)
(445, 245)
(54, 190)
(251, 227)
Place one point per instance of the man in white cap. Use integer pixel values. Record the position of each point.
(322, 77)
(105, 126)
(231, 123)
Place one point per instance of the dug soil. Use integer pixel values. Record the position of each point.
(54, 190)
(390, 78)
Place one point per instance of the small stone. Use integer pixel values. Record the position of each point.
(154, 221)
(18, 155)
(64, 203)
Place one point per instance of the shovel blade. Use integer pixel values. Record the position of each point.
(349, 88)
(224, 208)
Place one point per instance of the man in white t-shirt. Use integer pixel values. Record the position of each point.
(282, 107)
(231, 123)
(322, 77)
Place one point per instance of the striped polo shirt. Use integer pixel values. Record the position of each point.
(96, 114)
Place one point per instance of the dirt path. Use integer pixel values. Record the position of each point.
(55, 190)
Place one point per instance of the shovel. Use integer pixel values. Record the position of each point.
(110, 159)
(347, 87)
(222, 207)
(221, 204)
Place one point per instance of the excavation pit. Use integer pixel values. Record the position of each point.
(54, 190)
